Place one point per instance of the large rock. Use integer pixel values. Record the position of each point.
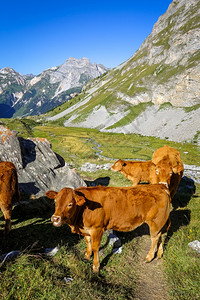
(39, 168)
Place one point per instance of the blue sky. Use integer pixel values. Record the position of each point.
(39, 34)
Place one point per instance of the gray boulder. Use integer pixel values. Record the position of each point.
(39, 168)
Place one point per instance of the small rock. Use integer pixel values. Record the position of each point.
(9, 255)
(67, 280)
(114, 241)
(195, 245)
(117, 250)
(51, 251)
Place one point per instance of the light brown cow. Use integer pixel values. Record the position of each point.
(173, 154)
(9, 190)
(168, 175)
(90, 211)
(169, 167)
(136, 171)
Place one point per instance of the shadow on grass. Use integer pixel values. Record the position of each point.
(104, 286)
(185, 191)
(125, 237)
(104, 181)
(178, 218)
(32, 229)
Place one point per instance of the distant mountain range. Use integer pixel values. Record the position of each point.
(33, 95)
(157, 91)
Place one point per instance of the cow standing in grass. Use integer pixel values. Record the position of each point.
(9, 190)
(90, 211)
(136, 171)
(169, 167)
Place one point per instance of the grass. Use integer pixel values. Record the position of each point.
(134, 111)
(182, 264)
(23, 126)
(34, 275)
(76, 144)
(191, 108)
(64, 106)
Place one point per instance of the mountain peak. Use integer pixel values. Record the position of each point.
(155, 90)
(37, 94)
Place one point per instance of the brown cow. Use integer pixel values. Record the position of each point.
(173, 154)
(9, 190)
(90, 211)
(169, 175)
(169, 167)
(136, 171)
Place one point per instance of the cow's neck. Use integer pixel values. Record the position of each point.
(75, 221)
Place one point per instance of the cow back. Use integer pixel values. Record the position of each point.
(124, 208)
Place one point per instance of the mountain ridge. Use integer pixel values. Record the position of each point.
(32, 95)
(162, 75)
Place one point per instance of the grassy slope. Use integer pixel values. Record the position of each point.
(33, 275)
(182, 264)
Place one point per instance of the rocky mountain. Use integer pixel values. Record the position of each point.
(39, 168)
(33, 95)
(157, 91)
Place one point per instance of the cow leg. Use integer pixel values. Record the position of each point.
(160, 246)
(7, 210)
(89, 247)
(96, 240)
(160, 249)
(154, 247)
(156, 243)
(135, 181)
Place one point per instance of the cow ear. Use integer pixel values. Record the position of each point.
(51, 194)
(79, 198)
(177, 169)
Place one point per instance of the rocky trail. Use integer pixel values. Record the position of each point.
(152, 282)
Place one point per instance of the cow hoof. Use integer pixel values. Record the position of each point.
(148, 259)
(159, 255)
(87, 256)
(95, 269)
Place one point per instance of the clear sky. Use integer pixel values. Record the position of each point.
(40, 34)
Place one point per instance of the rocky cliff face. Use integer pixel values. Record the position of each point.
(170, 55)
(32, 95)
(155, 92)
(39, 168)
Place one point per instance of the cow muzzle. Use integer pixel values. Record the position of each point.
(56, 221)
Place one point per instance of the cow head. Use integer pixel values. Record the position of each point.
(118, 165)
(66, 201)
(164, 170)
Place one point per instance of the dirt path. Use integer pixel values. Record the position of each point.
(152, 284)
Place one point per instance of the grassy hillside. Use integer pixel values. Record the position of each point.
(34, 275)
(75, 143)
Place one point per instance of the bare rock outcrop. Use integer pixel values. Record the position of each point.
(39, 168)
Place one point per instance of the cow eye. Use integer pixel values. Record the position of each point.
(70, 205)
(157, 172)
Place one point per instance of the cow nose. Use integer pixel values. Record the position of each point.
(55, 219)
